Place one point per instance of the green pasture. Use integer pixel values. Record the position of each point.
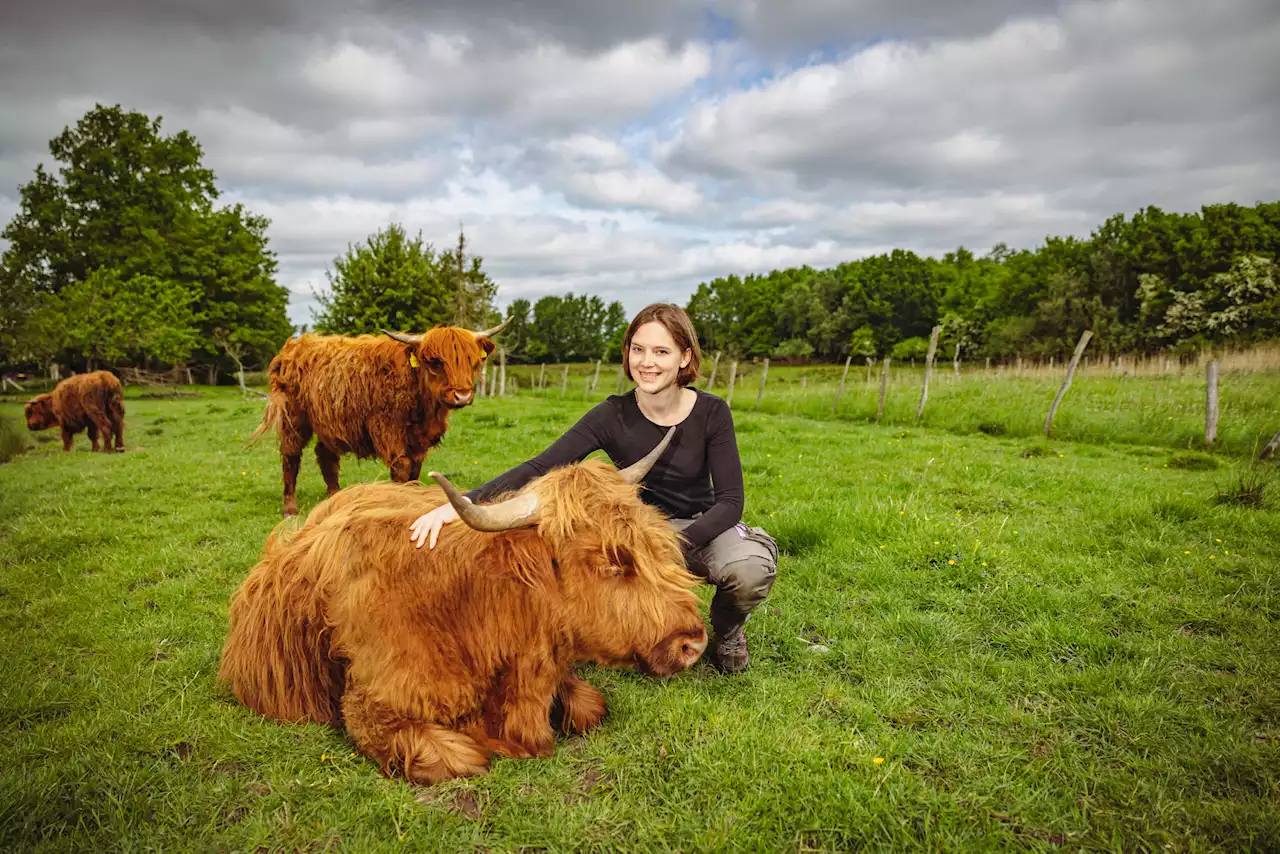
(1098, 408)
(979, 639)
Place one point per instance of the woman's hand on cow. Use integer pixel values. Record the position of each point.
(427, 526)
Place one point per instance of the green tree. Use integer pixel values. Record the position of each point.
(516, 336)
(129, 200)
(615, 329)
(111, 320)
(392, 282)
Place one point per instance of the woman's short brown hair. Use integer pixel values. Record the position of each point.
(677, 322)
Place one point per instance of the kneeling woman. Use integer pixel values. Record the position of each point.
(697, 482)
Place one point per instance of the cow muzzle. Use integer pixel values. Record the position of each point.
(678, 651)
(459, 399)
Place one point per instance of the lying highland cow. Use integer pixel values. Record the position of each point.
(93, 402)
(436, 660)
(372, 396)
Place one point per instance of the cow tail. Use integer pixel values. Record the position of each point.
(272, 417)
(276, 657)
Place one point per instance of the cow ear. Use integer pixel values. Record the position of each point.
(487, 345)
(620, 561)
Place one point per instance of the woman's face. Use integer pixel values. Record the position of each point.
(655, 361)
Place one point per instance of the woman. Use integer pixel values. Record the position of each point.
(662, 357)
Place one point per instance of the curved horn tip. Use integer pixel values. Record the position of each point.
(403, 337)
(489, 333)
(635, 472)
(516, 512)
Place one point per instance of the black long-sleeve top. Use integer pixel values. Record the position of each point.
(699, 472)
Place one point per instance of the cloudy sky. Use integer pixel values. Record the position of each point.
(634, 148)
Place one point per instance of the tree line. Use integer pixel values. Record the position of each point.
(124, 257)
(1158, 281)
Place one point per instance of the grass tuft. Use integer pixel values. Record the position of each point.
(1249, 487)
(12, 440)
(1193, 461)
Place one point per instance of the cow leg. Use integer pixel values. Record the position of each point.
(104, 429)
(328, 462)
(578, 706)
(117, 423)
(67, 439)
(423, 753)
(518, 712)
(292, 441)
(93, 435)
(289, 464)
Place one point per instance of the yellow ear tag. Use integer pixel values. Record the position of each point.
(413, 360)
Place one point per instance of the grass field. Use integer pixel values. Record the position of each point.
(1032, 645)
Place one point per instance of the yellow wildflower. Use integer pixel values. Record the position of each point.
(879, 760)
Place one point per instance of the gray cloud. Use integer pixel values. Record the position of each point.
(832, 23)
(614, 148)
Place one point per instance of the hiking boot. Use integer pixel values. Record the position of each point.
(731, 651)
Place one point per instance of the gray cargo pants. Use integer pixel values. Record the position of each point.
(742, 563)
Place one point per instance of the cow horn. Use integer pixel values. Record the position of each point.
(489, 333)
(404, 337)
(517, 512)
(635, 472)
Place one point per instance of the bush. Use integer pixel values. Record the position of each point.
(910, 348)
(794, 348)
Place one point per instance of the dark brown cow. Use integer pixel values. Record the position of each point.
(435, 660)
(92, 401)
(372, 396)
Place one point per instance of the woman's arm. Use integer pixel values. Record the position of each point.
(577, 442)
(725, 467)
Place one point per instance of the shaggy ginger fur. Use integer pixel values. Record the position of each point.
(92, 401)
(434, 660)
(365, 396)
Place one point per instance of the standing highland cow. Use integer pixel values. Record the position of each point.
(92, 401)
(436, 660)
(370, 396)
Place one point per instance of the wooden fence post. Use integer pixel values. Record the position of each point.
(621, 377)
(484, 379)
(764, 375)
(595, 381)
(502, 372)
(835, 407)
(714, 365)
(928, 370)
(884, 387)
(542, 372)
(1066, 383)
(564, 381)
(1271, 447)
(733, 372)
(868, 370)
(1211, 403)
(955, 360)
